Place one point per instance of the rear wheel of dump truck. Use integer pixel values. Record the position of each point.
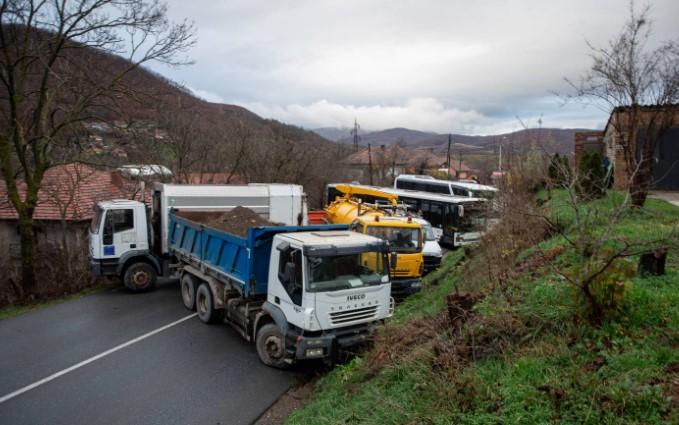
(188, 288)
(271, 346)
(139, 277)
(205, 306)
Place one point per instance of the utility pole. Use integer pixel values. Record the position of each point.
(354, 133)
(500, 158)
(370, 164)
(450, 139)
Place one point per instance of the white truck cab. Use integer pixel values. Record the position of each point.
(323, 286)
(118, 231)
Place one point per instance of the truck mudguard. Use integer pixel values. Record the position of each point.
(143, 253)
(278, 317)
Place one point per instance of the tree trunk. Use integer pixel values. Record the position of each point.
(27, 252)
(641, 181)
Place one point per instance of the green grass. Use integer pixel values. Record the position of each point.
(553, 367)
(16, 310)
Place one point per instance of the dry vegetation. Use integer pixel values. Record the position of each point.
(499, 336)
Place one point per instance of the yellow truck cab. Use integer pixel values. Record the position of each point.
(405, 244)
(405, 238)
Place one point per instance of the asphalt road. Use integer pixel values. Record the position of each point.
(187, 373)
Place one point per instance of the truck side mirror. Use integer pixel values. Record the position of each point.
(394, 260)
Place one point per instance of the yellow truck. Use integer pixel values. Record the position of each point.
(405, 236)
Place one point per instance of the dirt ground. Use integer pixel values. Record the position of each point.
(284, 406)
(237, 221)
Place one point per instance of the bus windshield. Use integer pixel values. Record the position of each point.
(334, 273)
(401, 239)
(485, 194)
(473, 220)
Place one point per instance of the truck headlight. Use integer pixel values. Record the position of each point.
(416, 284)
(313, 352)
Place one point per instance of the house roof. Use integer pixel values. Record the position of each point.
(642, 109)
(68, 192)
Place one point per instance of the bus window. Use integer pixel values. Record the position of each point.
(413, 204)
(435, 216)
(460, 192)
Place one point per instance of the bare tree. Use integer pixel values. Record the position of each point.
(590, 231)
(55, 72)
(639, 86)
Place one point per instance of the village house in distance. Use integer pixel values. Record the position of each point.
(608, 143)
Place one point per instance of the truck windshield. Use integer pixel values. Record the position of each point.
(401, 239)
(334, 273)
(96, 220)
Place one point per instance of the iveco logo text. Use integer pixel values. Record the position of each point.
(355, 297)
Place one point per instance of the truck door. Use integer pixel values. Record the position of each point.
(119, 234)
(290, 276)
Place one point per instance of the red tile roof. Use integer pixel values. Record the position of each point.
(68, 191)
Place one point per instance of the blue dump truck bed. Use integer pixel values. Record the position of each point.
(241, 259)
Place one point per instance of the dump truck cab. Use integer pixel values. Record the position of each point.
(331, 286)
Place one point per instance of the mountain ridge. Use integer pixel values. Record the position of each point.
(553, 140)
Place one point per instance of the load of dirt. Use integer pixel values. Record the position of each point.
(237, 221)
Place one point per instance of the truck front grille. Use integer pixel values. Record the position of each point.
(347, 316)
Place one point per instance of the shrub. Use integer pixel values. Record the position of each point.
(590, 180)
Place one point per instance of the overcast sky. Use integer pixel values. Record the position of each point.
(468, 67)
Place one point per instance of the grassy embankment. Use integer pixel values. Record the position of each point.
(526, 355)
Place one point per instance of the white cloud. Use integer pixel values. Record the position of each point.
(421, 113)
(439, 63)
(427, 114)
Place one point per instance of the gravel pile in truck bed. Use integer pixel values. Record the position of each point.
(237, 221)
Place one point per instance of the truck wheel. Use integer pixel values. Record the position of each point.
(188, 288)
(205, 306)
(271, 346)
(139, 277)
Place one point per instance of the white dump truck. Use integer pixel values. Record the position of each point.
(298, 292)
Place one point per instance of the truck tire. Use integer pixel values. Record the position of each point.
(205, 306)
(188, 290)
(140, 277)
(271, 346)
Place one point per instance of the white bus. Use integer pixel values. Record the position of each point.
(445, 187)
(455, 220)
